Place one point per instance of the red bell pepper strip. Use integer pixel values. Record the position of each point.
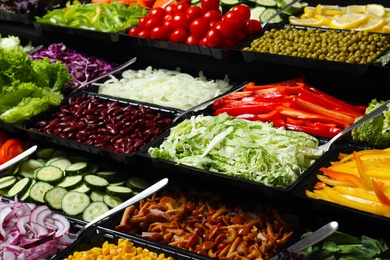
(273, 115)
(320, 130)
(312, 107)
(343, 176)
(246, 109)
(356, 108)
(287, 83)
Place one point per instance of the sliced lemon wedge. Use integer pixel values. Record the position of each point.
(310, 10)
(386, 28)
(356, 8)
(325, 18)
(330, 9)
(372, 25)
(310, 21)
(348, 21)
(376, 9)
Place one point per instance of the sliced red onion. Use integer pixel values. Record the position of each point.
(21, 223)
(3, 215)
(62, 223)
(36, 214)
(39, 230)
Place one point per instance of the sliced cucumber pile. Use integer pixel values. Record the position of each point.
(68, 183)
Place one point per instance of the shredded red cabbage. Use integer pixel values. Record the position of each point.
(81, 66)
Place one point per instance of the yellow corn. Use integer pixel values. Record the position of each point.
(123, 250)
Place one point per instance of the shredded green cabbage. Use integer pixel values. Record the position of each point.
(252, 150)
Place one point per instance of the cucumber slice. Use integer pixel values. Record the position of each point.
(136, 183)
(256, 12)
(94, 210)
(97, 195)
(38, 190)
(112, 201)
(76, 168)
(28, 167)
(109, 175)
(25, 196)
(83, 188)
(95, 182)
(74, 202)
(119, 191)
(268, 13)
(53, 159)
(7, 182)
(71, 182)
(53, 197)
(267, 3)
(44, 153)
(61, 163)
(59, 153)
(228, 4)
(51, 174)
(20, 187)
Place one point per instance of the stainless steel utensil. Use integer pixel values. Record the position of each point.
(312, 239)
(376, 112)
(18, 158)
(281, 10)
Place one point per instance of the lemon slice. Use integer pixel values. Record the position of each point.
(376, 9)
(356, 8)
(386, 28)
(310, 11)
(330, 9)
(326, 19)
(310, 21)
(348, 21)
(372, 25)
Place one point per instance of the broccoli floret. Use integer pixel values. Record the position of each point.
(376, 132)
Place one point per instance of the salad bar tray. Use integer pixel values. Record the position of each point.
(16, 17)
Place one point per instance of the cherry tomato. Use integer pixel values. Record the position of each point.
(170, 9)
(144, 33)
(235, 18)
(251, 27)
(182, 7)
(239, 36)
(142, 22)
(179, 36)
(226, 29)
(194, 12)
(203, 42)
(199, 27)
(209, 5)
(192, 40)
(152, 23)
(212, 15)
(157, 12)
(213, 38)
(160, 32)
(180, 20)
(133, 31)
(244, 10)
(227, 43)
(11, 148)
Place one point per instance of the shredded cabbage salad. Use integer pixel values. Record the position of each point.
(252, 150)
(163, 87)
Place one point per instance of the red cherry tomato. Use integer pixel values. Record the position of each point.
(133, 31)
(144, 33)
(226, 29)
(235, 18)
(182, 7)
(179, 36)
(194, 12)
(157, 12)
(11, 148)
(210, 5)
(170, 9)
(180, 20)
(239, 37)
(192, 40)
(251, 27)
(142, 22)
(203, 42)
(159, 32)
(213, 38)
(152, 23)
(244, 10)
(227, 44)
(212, 15)
(199, 27)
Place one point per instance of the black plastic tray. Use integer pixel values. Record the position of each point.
(254, 56)
(218, 53)
(329, 207)
(16, 17)
(97, 236)
(222, 179)
(106, 153)
(110, 37)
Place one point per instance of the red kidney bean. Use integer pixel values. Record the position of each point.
(112, 128)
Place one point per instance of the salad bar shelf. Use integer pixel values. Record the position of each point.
(228, 216)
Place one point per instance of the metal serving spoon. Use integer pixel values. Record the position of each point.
(18, 158)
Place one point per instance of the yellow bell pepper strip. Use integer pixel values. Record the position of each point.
(362, 173)
(342, 176)
(382, 197)
(357, 203)
(332, 182)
